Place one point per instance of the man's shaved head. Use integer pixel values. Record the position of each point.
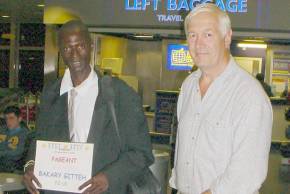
(75, 47)
(74, 26)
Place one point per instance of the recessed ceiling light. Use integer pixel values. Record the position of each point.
(5, 16)
(40, 5)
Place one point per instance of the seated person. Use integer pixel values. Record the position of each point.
(12, 140)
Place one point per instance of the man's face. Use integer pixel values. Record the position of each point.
(207, 46)
(76, 51)
(12, 121)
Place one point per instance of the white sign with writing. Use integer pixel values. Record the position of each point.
(61, 166)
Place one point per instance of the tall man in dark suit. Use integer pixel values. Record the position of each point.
(74, 109)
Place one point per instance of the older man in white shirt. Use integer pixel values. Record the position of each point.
(225, 117)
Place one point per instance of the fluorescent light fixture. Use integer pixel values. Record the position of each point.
(255, 41)
(252, 45)
(40, 5)
(5, 16)
(143, 36)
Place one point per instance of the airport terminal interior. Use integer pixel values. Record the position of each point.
(143, 43)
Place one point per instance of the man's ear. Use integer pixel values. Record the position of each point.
(228, 39)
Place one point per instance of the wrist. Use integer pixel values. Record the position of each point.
(28, 165)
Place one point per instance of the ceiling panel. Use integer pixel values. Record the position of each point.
(22, 11)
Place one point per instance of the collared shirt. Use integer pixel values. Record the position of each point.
(84, 103)
(223, 139)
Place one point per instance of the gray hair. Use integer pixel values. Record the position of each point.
(224, 20)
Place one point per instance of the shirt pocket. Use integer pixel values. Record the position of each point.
(216, 127)
(214, 143)
(216, 136)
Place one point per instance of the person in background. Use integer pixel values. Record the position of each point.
(224, 116)
(12, 141)
(267, 88)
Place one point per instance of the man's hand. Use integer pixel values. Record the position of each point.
(28, 178)
(206, 192)
(98, 184)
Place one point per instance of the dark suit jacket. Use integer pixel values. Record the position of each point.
(120, 165)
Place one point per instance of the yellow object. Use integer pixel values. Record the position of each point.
(58, 15)
(13, 142)
(113, 47)
(131, 81)
(112, 64)
(2, 137)
(113, 52)
(250, 64)
(8, 36)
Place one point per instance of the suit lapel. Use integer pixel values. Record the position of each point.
(63, 116)
(100, 118)
(60, 117)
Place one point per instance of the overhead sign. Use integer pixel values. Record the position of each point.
(232, 6)
(245, 15)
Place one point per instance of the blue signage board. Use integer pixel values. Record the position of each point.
(178, 57)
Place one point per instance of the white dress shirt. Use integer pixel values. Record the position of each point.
(84, 103)
(224, 138)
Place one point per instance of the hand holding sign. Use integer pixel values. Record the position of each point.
(98, 184)
(28, 180)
